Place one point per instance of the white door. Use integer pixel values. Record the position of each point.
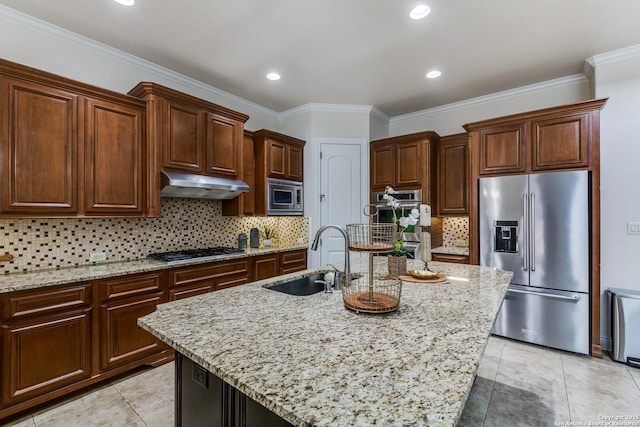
(340, 194)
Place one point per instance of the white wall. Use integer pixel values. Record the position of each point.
(40, 45)
(448, 119)
(619, 80)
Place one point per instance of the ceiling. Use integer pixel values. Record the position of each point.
(365, 52)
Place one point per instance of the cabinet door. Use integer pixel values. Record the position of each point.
(39, 149)
(223, 145)
(453, 180)
(409, 163)
(121, 339)
(44, 354)
(560, 142)
(113, 158)
(295, 162)
(383, 161)
(265, 266)
(276, 159)
(183, 145)
(502, 149)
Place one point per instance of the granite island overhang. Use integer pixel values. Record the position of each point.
(313, 362)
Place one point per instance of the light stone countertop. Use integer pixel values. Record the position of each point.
(451, 250)
(52, 277)
(313, 362)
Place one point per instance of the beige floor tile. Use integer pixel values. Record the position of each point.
(100, 407)
(21, 422)
(598, 388)
(635, 374)
(151, 395)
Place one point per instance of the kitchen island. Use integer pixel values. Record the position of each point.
(310, 361)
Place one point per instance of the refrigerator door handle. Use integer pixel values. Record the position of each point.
(532, 232)
(525, 246)
(552, 296)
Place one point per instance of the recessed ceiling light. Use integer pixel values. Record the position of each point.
(126, 2)
(420, 11)
(273, 76)
(433, 74)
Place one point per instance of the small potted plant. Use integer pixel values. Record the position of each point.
(267, 234)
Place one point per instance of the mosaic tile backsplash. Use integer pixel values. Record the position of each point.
(45, 243)
(455, 228)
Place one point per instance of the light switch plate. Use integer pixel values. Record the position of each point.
(633, 227)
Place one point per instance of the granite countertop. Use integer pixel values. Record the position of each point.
(451, 250)
(313, 362)
(39, 279)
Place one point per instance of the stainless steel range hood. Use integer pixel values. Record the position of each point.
(200, 186)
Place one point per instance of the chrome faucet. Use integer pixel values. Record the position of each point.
(347, 267)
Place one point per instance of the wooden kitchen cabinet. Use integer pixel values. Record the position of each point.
(122, 301)
(114, 183)
(198, 279)
(293, 261)
(189, 135)
(45, 342)
(265, 266)
(278, 156)
(553, 139)
(406, 162)
(68, 149)
(453, 175)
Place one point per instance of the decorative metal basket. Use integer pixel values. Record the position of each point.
(372, 294)
(371, 237)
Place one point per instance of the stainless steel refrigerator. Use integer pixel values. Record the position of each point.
(538, 226)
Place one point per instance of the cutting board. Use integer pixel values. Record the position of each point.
(440, 278)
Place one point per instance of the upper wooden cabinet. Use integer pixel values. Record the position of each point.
(405, 162)
(68, 149)
(453, 175)
(188, 134)
(245, 203)
(551, 139)
(278, 155)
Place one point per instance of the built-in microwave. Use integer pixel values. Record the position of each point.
(284, 197)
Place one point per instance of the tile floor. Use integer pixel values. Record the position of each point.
(517, 385)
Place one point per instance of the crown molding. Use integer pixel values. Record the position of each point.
(67, 36)
(334, 108)
(614, 56)
(506, 94)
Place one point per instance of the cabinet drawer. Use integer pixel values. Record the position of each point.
(458, 259)
(219, 274)
(130, 285)
(38, 301)
(293, 257)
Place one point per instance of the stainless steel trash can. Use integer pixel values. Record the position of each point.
(625, 325)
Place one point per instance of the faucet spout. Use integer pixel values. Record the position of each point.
(347, 267)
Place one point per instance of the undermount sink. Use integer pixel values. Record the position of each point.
(301, 287)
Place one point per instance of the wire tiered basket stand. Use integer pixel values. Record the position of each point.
(372, 293)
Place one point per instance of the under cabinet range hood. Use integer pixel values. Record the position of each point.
(200, 187)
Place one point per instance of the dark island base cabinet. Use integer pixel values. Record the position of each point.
(202, 399)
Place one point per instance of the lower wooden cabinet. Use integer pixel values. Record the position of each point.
(265, 266)
(458, 259)
(122, 301)
(45, 341)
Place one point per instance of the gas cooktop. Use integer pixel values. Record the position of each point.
(187, 254)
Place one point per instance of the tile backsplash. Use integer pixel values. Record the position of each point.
(45, 243)
(455, 228)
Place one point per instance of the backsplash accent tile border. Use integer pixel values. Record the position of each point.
(46, 243)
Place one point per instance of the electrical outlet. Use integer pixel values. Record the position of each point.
(633, 227)
(97, 257)
(461, 242)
